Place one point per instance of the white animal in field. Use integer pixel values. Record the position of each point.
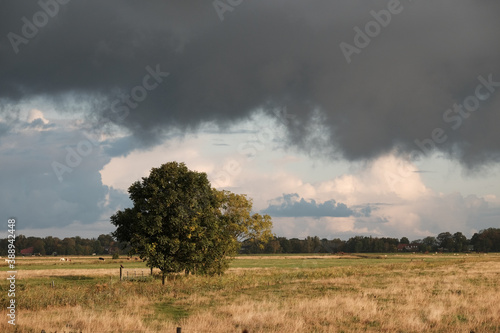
(62, 259)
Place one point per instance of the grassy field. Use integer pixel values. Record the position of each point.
(292, 293)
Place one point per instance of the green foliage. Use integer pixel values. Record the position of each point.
(116, 256)
(179, 223)
(67, 246)
(487, 240)
(430, 243)
(359, 244)
(460, 242)
(445, 240)
(240, 224)
(173, 221)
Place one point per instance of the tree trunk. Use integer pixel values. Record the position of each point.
(163, 278)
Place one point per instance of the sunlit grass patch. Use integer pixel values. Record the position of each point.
(367, 294)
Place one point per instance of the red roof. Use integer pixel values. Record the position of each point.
(29, 250)
(402, 246)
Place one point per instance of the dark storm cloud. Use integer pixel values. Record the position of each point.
(270, 54)
(291, 206)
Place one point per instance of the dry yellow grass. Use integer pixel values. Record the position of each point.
(444, 296)
(114, 272)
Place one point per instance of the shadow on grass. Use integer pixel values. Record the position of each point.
(171, 311)
(166, 311)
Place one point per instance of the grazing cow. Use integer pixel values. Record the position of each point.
(101, 258)
(62, 259)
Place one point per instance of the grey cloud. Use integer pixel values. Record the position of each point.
(291, 206)
(38, 124)
(31, 192)
(120, 147)
(270, 54)
(4, 129)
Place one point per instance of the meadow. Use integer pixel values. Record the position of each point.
(292, 293)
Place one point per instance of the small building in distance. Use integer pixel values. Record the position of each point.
(28, 251)
(407, 247)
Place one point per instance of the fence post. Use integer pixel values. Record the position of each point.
(179, 330)
(121, 272)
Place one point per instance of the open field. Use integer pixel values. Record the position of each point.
(292, 293)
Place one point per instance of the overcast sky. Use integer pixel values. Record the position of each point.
(339, 118)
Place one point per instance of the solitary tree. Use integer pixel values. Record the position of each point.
(179, 223)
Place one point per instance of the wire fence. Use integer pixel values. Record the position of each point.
(135, 274)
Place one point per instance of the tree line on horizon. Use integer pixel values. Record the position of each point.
(104, 244)
(487, 240)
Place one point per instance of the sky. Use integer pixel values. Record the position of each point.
(338, 118)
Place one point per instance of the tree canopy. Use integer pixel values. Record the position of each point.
(180, 223)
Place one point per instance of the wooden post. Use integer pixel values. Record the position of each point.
(121, 272)
(179, 329)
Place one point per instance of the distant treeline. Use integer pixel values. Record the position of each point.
(487, 240)
(104, 244)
